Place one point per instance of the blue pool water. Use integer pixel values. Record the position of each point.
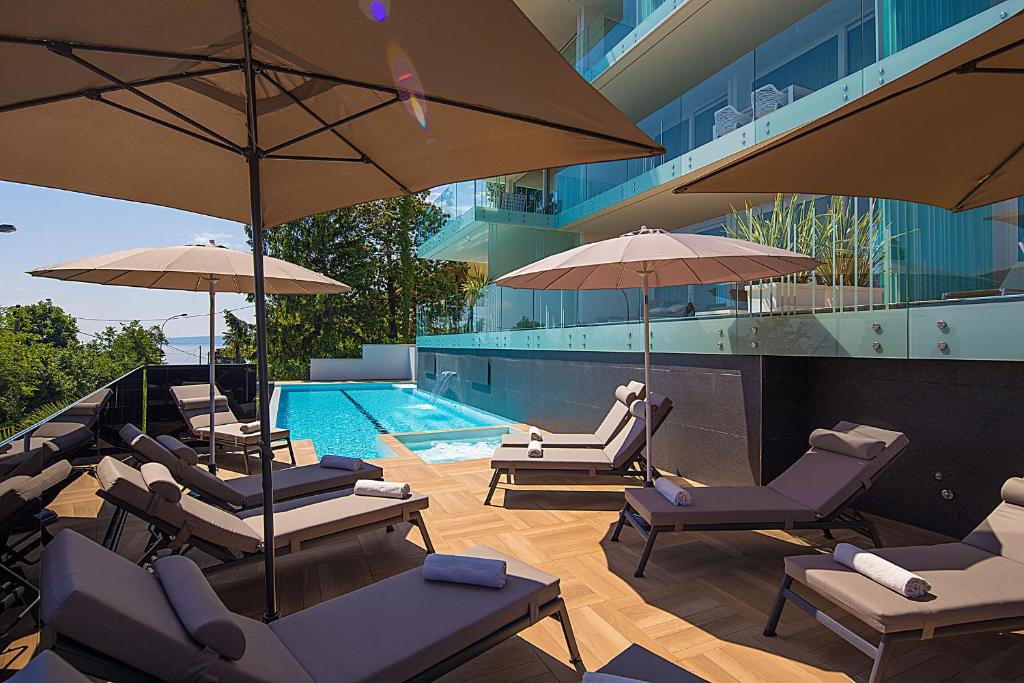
(345, 419)
(455, 449)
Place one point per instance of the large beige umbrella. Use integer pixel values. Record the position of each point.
(194, 268)
(269, 110)
(949, 133)
(649, 258)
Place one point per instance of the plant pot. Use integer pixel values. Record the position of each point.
(778, 297)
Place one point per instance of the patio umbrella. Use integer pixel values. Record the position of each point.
(262, 111)
(649, 258)
(947, 134)
(194, 268)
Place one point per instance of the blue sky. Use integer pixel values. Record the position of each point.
(56, 226)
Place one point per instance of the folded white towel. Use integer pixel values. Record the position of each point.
(475, 571)
(340, 462)
(597, 677)
(535, 450)
(673, 492)
(535, 434)
(881, 571)
(381, 489)
(249, 427)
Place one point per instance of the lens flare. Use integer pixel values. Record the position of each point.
(378, 10)
(410, 90)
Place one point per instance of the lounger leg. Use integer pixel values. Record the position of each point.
(828, 534)
(508, 477)
(389, 528)
(620, 523)
(882, 659)
(780, 602)
(113, 535)
(570, 640)
(876, 539)
(646, 554)
(245, 458)
(493, 485)
(291, 451)
(417, 519)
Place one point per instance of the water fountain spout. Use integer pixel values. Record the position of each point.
(445, 377)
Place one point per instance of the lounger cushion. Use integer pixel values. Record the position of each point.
(84, 588)
(199, 403)
(91, 405)
(968, 585)
(232, 433)
(187, 391)
(159, 480)
(213, 525)
(64, 426)
(12, 495)
(46, 667)
(316, 517)
(1002, 532)
(406, 625)
(149, 450)
(624, 395)
(21, 491)
(201, 612)
(294, 482)
(854, 444)
(186, 453)
(553, 459)
(1013, 491)
(522, 439)
(719, 505)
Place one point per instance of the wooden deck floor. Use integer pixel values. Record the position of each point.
(702, 605)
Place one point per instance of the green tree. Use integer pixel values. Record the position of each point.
(239, 338)
(49, 323)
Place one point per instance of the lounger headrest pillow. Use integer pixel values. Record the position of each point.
(159, 480)
(637, 388)
(199, 609)
(129, 433)
(186, 453)
(637, 409)
(847, 443)
(203, 402)
(625, 396)
(82, 408)
(1013, 491)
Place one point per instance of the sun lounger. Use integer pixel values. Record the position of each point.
(623, 456)
(193, 402)
(47, 667)
(817, 492)
(189, 522)
(640, 664)
(239, 492)
(400, 629)
(612, 423)
(977, 585)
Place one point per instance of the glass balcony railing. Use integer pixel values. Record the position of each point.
(495, 193)
(608, 26)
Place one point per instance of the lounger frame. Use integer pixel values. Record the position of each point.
(881, 654)
(224, 440)
(162, 535)
(96, 664)
(845, 516)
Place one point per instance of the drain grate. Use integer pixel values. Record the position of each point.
(374, 421)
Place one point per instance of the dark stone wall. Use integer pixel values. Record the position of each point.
(712, 434)
(741, 420)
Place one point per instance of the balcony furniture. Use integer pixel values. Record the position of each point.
(977, 586)
(728, 119)
(611, 425)
(624, 456)
(818, 491)
(768, 98)
(402, 628)
(512, 201)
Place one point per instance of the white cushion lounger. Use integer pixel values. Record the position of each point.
(400, 629)
(239, 492)
(612, 423)
(816, 492)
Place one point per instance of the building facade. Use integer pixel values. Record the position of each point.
(914, 322)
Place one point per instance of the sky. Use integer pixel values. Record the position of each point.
(54, 226)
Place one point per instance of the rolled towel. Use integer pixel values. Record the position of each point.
(475, 571)
(598, 677)
(340, 462)
(535, 450)
(535, 434)
(249, 427)
(381, 489)
(881, 571)
(673, 492)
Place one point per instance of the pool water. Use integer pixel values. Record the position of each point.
(345, 419)
(453, 449)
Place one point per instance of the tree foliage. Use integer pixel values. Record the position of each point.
(372, 248)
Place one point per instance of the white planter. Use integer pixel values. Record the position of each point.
(777, 297)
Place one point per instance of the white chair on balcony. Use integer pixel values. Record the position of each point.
(728, 119)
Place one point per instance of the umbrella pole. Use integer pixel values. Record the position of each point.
(647, 376)
(212, 462)
(252, 158)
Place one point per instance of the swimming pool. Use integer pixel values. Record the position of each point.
(345, 419)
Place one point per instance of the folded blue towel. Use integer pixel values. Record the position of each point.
(340, 462)
(475, 571)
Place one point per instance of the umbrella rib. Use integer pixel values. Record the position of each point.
(52, 99)
(113, 49)
(988, 176)
(305, 107)
(655, 150)
(305, 157)
(165, 124)
(328, 126)
(67, 51)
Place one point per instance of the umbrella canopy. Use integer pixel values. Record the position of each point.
(649, 258)
(190, 268)
(197, 267)
(945, 134)
(264, 111)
